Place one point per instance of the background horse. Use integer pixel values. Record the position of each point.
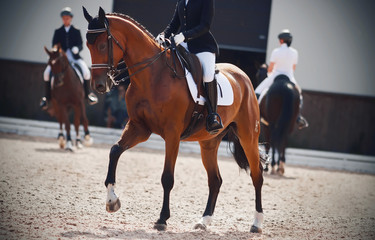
(159, 102)
(66, 93)
(279, 110)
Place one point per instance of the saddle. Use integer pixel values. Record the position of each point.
(78, 71)
(193, 65)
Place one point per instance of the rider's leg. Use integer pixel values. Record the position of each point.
(301, 121)
(213, 121)
(263, 86)
(86, 81)
(47, 88)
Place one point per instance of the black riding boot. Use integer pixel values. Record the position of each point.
(91, 97)
(44, 102)
(213, 121)
(301, 121)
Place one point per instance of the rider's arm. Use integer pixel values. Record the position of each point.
(55, 39)
(174, 25)
(270, 67)
(205, 23)
(79, 43)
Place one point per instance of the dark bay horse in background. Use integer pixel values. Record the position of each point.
(66, 93)
(159, 102)
(279, 110)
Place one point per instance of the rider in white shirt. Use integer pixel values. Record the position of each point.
(283, 61)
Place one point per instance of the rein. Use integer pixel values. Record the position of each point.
(113, 72)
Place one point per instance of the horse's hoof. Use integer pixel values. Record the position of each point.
(69, 146)
(200, 226)
(255, 229)
(273, 171)
(88, 141)
(113, 206)
(61, 141)
(79, 144)
(160, 226)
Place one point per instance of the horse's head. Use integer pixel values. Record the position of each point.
(58, 62)
(101, 49)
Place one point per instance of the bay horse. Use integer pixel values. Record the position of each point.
(159, 102)
(66, 93)
(279, 109)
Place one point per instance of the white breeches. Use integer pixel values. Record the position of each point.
(269, 80)
(207, 60)
(80, 62)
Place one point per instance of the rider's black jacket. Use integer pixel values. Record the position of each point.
(69, 39)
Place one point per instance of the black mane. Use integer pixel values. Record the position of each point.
(96, 24)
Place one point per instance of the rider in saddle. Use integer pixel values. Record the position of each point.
(283, 61)
(71, 42)
(191, 25)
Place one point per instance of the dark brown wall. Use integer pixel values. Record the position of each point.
(340, 123)
(22, 87)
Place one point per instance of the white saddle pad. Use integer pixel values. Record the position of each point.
(224, 90)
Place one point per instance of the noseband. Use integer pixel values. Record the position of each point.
(113, 72)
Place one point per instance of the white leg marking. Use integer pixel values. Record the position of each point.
(258, 219)
(111, 196)
(69, 145)
(206, 220)
(88, 141)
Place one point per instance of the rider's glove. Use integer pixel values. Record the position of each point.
(160, 39)
(179, 38)
(75, 50)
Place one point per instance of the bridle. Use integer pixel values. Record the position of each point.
(62, 72)
(113, 72)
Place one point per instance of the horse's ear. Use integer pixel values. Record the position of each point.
(87, 15)
(47, 51)
(58, 47)
(101, 15)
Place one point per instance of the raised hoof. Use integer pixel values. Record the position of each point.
(255, 229)
(200, 226)
(113, 207)
(88, 141)
(160, 226)
(61, 141)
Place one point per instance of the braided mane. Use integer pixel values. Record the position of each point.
(132, 20)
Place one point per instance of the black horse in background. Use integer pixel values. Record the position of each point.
(279, 109)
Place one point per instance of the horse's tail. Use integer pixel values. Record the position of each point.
(236, 148)
(280, 130)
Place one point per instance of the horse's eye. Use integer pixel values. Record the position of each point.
(102, 46)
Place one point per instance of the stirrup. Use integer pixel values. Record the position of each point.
(43, 103)
(302, 122)
(92, 99)
(212, 124)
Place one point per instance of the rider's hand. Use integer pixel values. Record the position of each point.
(75, 50)
(179, 38)
(160, 39)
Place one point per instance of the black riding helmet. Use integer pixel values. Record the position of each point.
(67, 11)
(286, 37)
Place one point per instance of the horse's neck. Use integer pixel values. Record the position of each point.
(139, 47)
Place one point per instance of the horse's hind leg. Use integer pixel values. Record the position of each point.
(85, 122)
(131, 136)
(209, 159)
(249, 142)
(77, 120)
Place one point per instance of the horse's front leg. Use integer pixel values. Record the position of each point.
(167, 179)
(132, 135)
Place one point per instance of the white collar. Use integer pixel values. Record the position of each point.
(67, 28)
(284, 45)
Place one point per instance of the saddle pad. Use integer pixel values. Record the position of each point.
(224, 90)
